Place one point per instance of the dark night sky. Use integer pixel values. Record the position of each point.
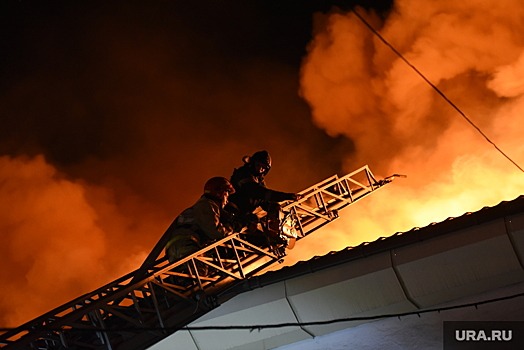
(107, 88)
(86, 80)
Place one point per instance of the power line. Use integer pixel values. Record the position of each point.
(276, 325)
(370, 27)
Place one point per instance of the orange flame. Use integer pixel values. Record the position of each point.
(357, 87)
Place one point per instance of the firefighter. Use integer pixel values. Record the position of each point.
(201, 223)
(251, 192)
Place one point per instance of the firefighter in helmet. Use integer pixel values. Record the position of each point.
(251, 191)
(201, 223)
(250, 187)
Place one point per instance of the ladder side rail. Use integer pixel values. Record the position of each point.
(76, 328)
(322, 210)
(96, 296)
(259, 252)
(69, 312)
(321, 224)
(252, 272)
(256, 253)
(78, 308)
(77, 304)
(323, 186)
(232, 239)
(335, 190)
(336, 184)
(319, 184)
(86, 319)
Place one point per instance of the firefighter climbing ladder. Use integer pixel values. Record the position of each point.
(144, 306)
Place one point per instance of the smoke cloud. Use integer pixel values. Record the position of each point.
(358, 87)
(56, 238)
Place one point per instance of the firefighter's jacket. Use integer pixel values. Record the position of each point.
(251, 191)
(198, 225)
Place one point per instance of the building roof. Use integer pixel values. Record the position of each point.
(397, 240)
(414, 270)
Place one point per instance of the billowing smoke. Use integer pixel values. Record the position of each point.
(358, 87)
(58, 237)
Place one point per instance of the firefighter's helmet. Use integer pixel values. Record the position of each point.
(261, 158)
(218, 186)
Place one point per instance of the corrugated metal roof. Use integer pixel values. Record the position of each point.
(399, 239)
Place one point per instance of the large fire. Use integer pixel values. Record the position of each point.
(358, 87)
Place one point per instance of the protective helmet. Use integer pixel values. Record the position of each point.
(263, 158)
(216, 186)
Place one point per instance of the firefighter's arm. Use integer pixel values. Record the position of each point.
(260, 192)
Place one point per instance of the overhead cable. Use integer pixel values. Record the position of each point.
(370, 27)
(259, 327)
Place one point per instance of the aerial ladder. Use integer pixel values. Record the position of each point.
(143, 307)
